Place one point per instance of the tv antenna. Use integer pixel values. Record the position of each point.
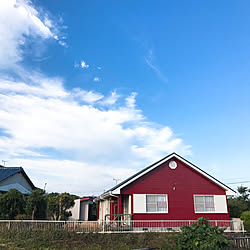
(116, 180)
(4, 162)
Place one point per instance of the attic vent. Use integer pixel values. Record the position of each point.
(172, 164)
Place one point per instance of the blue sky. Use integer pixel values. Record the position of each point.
(96, 90)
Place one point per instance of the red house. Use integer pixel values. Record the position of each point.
(170, 189)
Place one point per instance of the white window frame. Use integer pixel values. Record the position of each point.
(204, 212)
(157, 212)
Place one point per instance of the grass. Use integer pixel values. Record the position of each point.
(88, 241)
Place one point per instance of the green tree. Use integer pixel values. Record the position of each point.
(202, 235)
(53, 206)
(36, 204)
(59, 204)
(243, 193)
(12, 203)
(237, 205)
(245, 216)
(66, 201)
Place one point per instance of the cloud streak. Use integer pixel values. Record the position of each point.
(149, 62)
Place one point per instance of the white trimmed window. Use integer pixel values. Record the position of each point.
(150, 203)
(156, 203)
(204, 203)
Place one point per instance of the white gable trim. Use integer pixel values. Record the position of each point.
(228, 191)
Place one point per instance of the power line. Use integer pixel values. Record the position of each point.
(238, 182)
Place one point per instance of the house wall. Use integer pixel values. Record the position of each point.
(104, 208)
(180, 184)
(75, 211)
(84, 210)
(16, 181)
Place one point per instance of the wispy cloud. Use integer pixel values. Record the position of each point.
(110, 100)
(87, 96)
(149, 62)
(84, 65)
(19, 21)
(96, 79)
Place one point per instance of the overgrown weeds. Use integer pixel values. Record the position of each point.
(88, 241)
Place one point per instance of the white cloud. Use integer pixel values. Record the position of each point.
(131, 100)
(103, 141)
(57, 173)
(87, 96)
(84, 65)
(19, 21)
(110, 100)
(96, 79)
(62, 136)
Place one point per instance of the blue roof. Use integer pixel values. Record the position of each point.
(6, 172)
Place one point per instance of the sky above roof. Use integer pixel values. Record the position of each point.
(93, 91)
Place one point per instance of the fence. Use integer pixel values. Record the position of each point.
(241, 242)
(112, 226)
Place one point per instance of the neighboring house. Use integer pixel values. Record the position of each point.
(170, 189)
(15, 177)
(83, 210)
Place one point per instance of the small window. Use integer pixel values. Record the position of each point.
(156, 203)
(204, 203)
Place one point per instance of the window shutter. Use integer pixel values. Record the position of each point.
(139, 201)
(220, 203)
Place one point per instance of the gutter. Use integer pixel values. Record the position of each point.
(104, 196)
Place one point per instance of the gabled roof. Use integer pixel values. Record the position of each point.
(6, 172)
(116, 189)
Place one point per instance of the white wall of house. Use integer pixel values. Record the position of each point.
(75, 210)
(104, 208)
(84, 210)
(80, 211)
(16, 181)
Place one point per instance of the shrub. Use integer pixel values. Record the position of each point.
(245, 216)
(202, 235)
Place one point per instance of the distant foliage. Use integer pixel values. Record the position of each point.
(12, 203)
(202, 235)
(37, 205)
(245, 216)
(58, 205)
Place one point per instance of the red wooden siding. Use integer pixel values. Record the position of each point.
(180, 184)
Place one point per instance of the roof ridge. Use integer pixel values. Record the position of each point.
(11, 168)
